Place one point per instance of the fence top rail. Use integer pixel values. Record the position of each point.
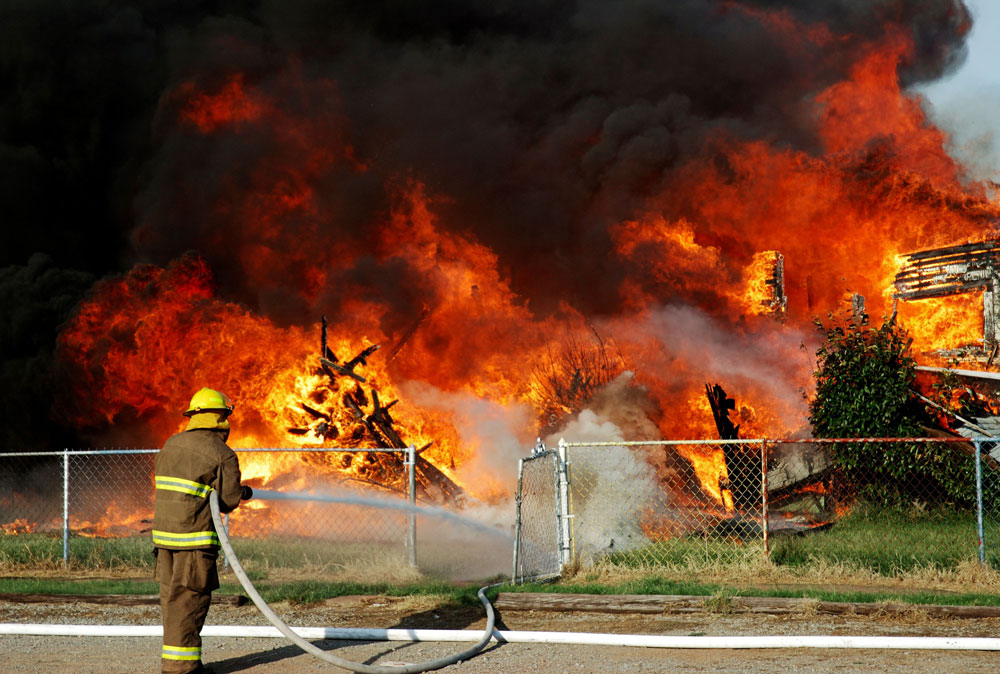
(79, 452)
(385, 450)
(622, 443)
(770, 441)
(104, 452)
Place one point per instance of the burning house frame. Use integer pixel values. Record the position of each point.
(956, 270)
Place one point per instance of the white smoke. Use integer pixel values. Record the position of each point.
(612, 485)
(973, 134)
(498, 434)
(772, 360)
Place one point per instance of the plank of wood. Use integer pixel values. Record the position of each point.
(116, 599)
(659, 604)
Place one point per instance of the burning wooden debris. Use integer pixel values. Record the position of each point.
(777, 302)
(369, 423)
(743, 464)
(942, 272)
(796, 473)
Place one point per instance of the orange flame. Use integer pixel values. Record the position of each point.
(19, 526)
(884, 186)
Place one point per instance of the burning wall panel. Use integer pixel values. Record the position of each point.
(968, 269)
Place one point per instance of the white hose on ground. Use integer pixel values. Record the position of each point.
(515, 637)
(361, 668)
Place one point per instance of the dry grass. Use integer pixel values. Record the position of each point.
(759, 572)
(808, 608)
(359, 571)
(75, 570)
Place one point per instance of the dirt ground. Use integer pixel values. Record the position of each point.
(30, 654)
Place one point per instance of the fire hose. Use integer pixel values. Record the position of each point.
(282, 627)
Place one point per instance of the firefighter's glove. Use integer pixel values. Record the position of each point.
(247, 493)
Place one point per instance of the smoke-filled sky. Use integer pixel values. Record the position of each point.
(965, 103)
(533, 127)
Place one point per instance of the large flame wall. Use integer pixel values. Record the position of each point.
(474, 196)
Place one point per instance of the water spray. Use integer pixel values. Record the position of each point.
(275, 620)
(431, 511)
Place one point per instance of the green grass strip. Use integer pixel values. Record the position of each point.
(300, 592)
(309, 592)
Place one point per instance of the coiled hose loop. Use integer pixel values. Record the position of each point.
(234, 562)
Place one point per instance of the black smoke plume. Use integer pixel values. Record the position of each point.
(538, 122)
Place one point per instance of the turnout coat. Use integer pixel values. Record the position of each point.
(190, 465)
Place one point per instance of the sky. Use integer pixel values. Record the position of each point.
(966, 104)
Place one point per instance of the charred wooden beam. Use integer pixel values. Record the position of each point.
(362, 357)
(431, 476)
(375, 429)
(340, 369)
(721, 405)
(327, 370)
(327, 429)
(963, 249)
(354, 407)
(944, 271)
(315, 412)
(743, 464)
(425, 312)
(380, 419)
(778, 303)
(941, 291)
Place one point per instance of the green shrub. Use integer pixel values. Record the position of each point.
(864, 389)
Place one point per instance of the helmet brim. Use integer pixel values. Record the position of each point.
(208, 410)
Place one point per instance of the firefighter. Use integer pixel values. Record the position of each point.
(190, 465)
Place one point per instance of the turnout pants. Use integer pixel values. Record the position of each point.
(187, 579)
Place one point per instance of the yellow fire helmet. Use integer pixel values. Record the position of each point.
(209, 400)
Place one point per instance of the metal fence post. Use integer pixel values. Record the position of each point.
(411, 464)
(765, 525)
(565, 537)
(65, 507)
(517, 518)
(979, 503)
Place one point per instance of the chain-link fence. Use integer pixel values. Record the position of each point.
(95, 509)
(656, 502)
(885, 505)
(538, 539)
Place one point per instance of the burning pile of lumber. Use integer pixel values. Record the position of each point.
(349, 410)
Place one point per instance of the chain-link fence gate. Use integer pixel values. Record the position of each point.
(662, 502)
(538, 535)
